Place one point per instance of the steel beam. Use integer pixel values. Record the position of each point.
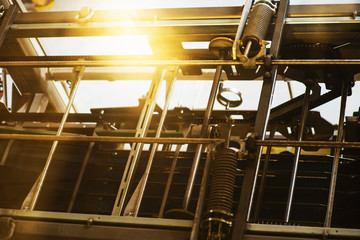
(149, 63)
(136, 148)
(317, 10)
(201, 23)
(170, 78)
(34, 230)
(262, 117)
(97, 219)
(7, 21)
(302, 230)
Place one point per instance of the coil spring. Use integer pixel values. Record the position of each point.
(223, 180)
(258, 22)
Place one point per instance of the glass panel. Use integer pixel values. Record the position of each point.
(107, 45)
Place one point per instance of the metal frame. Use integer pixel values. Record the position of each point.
(184, 25)
(262, 117)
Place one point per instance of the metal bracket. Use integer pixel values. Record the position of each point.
(250, 62)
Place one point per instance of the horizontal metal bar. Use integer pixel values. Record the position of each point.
(303, 230)
(321, 10)
(34, 230)
(108, 139)
(103, 74)
(307, 143)
(119, 63)
(97, 219)
(173, 140)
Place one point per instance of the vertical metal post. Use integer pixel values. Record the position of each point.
(335, 167)
(302, 123)
(141, 129)
(204, 131)
(32, 197)
(202, 193)
(170, 78)
(262, 116)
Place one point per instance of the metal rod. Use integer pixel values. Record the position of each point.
(247, 49)
(171, 78)
(263, 175)
(169, 180)
(325, 144)
(302, 123)
(202, 194)
(290, 90)
(6, 152)
(109, 139)
(80, 177)
(243, 19)
(122, 63)
(32, 197)
(204, 131)
(279, 143)
(228, 133)
(335, 167)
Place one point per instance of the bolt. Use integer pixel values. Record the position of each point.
(354, 14)
(89, 222)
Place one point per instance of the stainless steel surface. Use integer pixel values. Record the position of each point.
(243, 19)
(204, 133)
(32, 197)
(301, 130)
(335, 165)
(136, 148)
(170, 78)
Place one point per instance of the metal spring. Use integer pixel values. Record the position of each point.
(258, 22)
(223, 181)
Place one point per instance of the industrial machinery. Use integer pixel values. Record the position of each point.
(151, 172)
